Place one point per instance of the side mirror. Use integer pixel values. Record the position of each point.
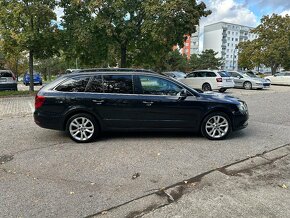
(239, 77)
(182, 95)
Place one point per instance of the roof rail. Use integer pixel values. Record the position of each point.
(114, 70)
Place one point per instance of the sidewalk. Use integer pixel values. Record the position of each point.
(255, 187)
(259, 187)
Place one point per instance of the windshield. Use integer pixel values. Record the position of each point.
(251, 75)
(179, 74)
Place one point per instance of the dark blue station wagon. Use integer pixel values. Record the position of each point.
(86, 103)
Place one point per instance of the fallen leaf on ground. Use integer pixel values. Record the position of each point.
(136, 175)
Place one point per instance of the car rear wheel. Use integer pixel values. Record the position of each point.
(222, 90)
(248, 85)
(216, 126)
(82, 128)
(206, 87)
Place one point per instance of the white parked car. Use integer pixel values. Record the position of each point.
(208, 80)
(282, 78)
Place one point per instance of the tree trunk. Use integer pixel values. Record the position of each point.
(123, 56)
(274, 68)
(31, 82)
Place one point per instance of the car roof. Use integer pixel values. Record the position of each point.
(113, 70)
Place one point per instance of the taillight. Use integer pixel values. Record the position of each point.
(13, 77)
(39, 100)
(219, 79)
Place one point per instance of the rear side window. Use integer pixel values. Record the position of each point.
(5, 74)
(76, 84)
(118, 84)
(95, 85)
(223, 74)
(201, 74)
(210, 74)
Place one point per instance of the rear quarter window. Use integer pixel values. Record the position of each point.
(76, 84)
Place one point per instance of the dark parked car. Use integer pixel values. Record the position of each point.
(7, 80)
(37, 80)
(97, 100)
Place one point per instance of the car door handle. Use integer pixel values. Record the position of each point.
(99, 102)
(148, 103)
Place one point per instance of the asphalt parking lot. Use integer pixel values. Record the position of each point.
(44, 174)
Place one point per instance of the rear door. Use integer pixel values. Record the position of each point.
(112, 98)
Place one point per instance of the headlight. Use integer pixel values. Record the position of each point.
(242, 107)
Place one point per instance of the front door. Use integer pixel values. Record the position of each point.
(161, 107)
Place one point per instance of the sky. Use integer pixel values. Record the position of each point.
(244, 12)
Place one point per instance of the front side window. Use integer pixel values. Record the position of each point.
(158, 86)
(76, 84)
(118, 84)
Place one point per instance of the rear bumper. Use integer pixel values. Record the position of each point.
(8, 86)
(48, 121)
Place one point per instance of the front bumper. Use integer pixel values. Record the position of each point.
(261, 86)
(240, 120)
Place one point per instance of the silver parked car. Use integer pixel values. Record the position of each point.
(7, 80)
(249, 81)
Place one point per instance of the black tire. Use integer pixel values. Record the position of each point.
(92, 124)
(206, 87)
(222, 90)
(247, 85)
(40, 84)
(210, 117)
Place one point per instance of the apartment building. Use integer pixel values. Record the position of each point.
(191, 45)
(224, 38)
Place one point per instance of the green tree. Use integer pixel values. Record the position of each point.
(174, 61)
(208, 60)
(194, 62)
(145, 31)
(272, 46)
(30, 26)
(84, 43)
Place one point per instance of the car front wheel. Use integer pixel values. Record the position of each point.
(248, 85)
(82, 128)
(216, 126)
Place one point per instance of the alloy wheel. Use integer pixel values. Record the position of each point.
(217, 127)
(81, 129)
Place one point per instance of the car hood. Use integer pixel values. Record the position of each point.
(218, 97)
